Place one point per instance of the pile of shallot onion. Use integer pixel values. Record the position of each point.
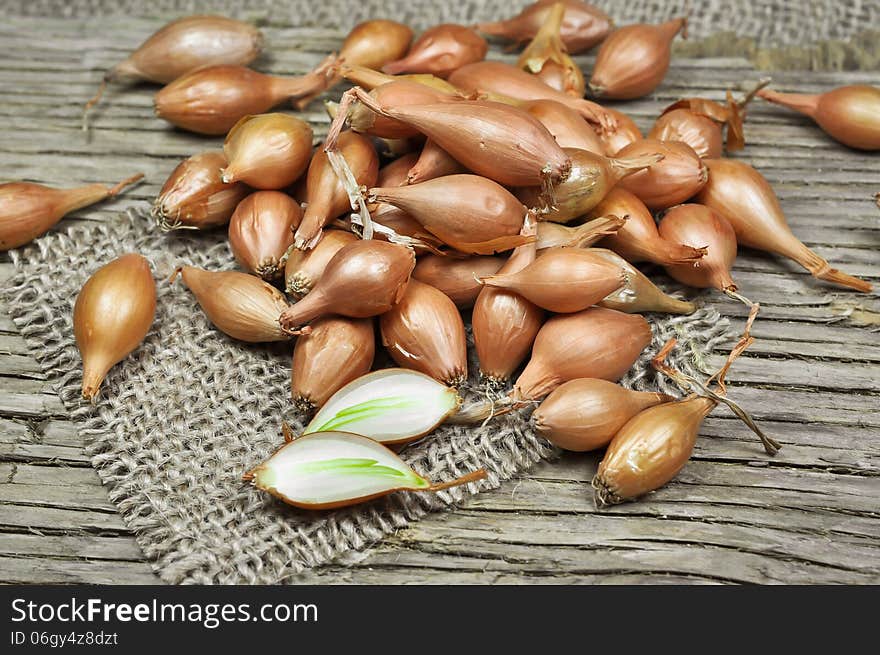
(511, 202)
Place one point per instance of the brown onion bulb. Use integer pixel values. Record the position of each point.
(189, 43)
(506, 80)
(240, 305)
(305, 267)
(650, 449)
(433, 162)
(547, 57)
(28, 210)
(639, 294)
(585, 414)
(267, 151)
(624, 132)
(335, 352)
(480, 133)
(674, 180)
(399, 93)
(699, 132)
(395, 172)
(326, 198)
(638, 240)
(566, 125)
(633, 61)
(260, 232)
(592, 177)
(555, 235)
(562, 280)
(424, 332)
(742, 195)
(112, 315)
(701, 227)
(364, 278)
(595, 343)
(212, 100)
(370, 44)
(504, 323)
(194, 196)
(583, 27)
(849, 114)
(457, 278)
(470, 213)
(370, 79)
(440, 50)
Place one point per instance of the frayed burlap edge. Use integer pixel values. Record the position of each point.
(214, 529)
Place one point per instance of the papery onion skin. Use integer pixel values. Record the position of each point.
(189, 43)
(678, 177)
(504, 323)
(694, 224)
(592, 176)
(742, 195)
(849, 114)
(305, 267)
(553, 235)
(267, 151)
(440, 50)
(397, 93)
(326, 198)
(462, 210)
(260, 232)
(650, 450)
(639, 294)
(583, 26)
(595, 343)
(699, 132)
(517, 86)
(638, 240)
(28, 210)
(563, 280)
(425, 332)
(457, 278)
(212, 100)
(633, 60)
(363, 279)
(624, 133)
(480, 133)
(194, 196)
(240, 305)
(112, 314)
(335, 352)
(566, 125)
(586, 413)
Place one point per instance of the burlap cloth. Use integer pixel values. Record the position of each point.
(182, 418)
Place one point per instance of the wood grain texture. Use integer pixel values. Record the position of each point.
(810, 515)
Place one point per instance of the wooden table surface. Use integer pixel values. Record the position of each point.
(809, 515)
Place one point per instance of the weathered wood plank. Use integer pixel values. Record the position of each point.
(48, 570)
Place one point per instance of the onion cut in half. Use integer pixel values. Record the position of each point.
(391, 406)
(326, 470)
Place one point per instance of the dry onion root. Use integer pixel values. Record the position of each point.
(28, 210)
(194, 197)
(326, 470)
(653, 446)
